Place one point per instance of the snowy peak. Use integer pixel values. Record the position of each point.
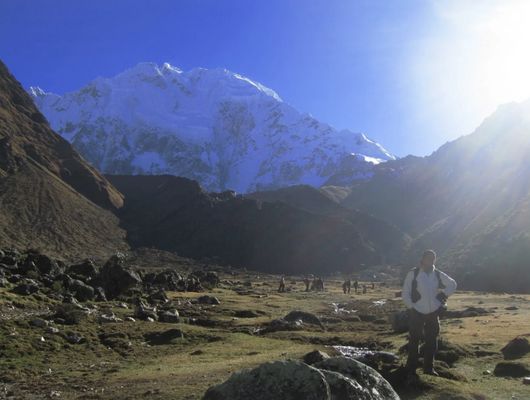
(218, 127)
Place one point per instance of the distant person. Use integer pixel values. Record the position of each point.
(320, 284)
(356, 286)
(373, 285)
(364, 289)
(346, 286)
(307, 283)
(281, 288)
(425, 292)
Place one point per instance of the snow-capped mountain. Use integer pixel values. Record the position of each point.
(215, 126)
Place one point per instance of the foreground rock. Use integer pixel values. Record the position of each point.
(516, 348)
(341, 379)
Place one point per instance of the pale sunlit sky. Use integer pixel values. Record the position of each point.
(412, 74)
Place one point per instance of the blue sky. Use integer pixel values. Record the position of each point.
(403, 72)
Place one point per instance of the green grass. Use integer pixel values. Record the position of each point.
(185, 368)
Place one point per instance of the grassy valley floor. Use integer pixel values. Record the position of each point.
(120, 361)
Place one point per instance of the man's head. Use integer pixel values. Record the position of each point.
(428, 258)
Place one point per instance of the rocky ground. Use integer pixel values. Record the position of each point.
(128, 328)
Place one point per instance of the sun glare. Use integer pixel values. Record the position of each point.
(475, 59)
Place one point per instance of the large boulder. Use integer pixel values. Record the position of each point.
(86, 269)
(80, 290)
(516, 348)
(44, 264)
(292, 380)
(115, 278)
(208, 279)
(366, 376)
(286, 380)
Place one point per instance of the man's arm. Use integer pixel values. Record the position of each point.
(449, 283)
(405, 291)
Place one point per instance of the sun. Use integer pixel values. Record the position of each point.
(474, 59)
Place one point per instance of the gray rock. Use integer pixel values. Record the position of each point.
(511, 369)
(39, 323)
(169, 316)
(303, 316)
(344, 388)
(366, 376)
(314, 357)
(86, 268)
(25, 289)
(80, 290)
(74, 338)
(52, 330)
(166, 337)
(516, 348)
(115, 278)
(286, 380)
(208, 300)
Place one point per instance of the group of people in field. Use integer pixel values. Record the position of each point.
(316, 283)
(425, 292)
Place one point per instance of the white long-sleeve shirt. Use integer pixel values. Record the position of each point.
(428, 289)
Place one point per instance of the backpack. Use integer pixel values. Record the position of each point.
(415, 294)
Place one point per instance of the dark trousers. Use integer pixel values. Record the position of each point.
(426, 326)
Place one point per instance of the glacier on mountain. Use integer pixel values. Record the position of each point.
(217, 127)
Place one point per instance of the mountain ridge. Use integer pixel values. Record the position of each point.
(214, 126)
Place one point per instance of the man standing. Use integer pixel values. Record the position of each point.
(425, 292)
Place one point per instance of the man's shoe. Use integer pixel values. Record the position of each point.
(431, 371)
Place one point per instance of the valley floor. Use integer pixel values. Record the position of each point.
(117, 361)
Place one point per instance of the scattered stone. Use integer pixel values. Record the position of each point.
(159, 297)
(39, 323)
(169, 316)
(69, 314)
(466, 313)
(196, 353)
(52, 330)
(26, 289)
(80, 290)
(246, 314)
(303, 316)
(99, 294)
(109, 318)
(208, 300)
(115, 340)
(166, 337)
(45, 264)
(87, 268)
(511, 369)
(130, 319)
(516, 348)
(74, 338)
(526, 380)
(115, 278)
(314, 357)
(208, 279)
(511, 308)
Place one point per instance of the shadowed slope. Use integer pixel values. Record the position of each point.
(49, 196)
